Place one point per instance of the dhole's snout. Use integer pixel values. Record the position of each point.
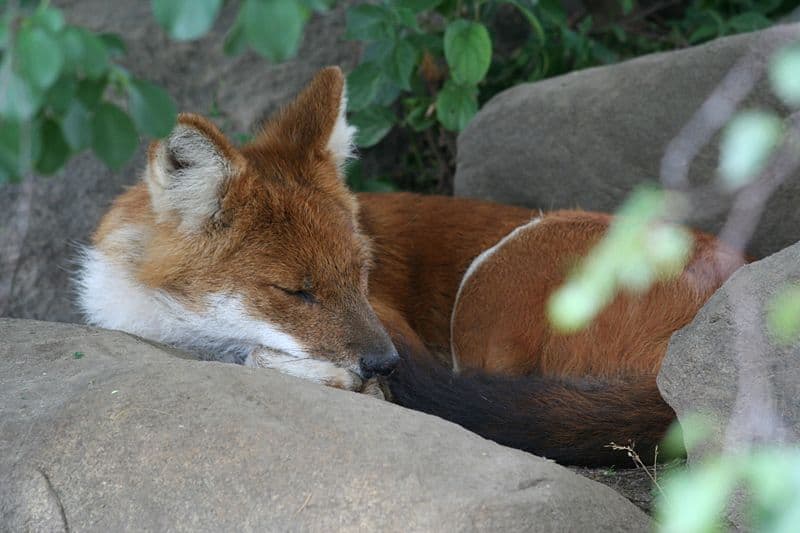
(370, 346)
(380, 362)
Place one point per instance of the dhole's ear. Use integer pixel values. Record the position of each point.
(188, 172)
(316, 119)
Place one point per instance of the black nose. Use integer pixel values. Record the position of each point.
(381, 363)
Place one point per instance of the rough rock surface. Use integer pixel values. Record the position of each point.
(587, 138)
(725, 373)
(41, 220)
(725, 367)
(101, 431)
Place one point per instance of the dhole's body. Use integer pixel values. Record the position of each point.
(262, 255)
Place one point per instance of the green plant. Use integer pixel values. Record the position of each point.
(757, 147)
(58, 88)
(62, 90)
(429, 65)
(641, 247)
(693, 501)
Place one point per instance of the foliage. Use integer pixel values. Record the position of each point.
(747, 143)
(428, 65)
(59, 93)
(783, 314)
(637, 250)
(695, 500)
(62, 89)
(640, 249)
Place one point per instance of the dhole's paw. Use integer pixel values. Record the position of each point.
(341, 378)
(316, 370)
(373, 388)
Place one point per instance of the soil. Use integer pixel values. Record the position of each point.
(632, 483)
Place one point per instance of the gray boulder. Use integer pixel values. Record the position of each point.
(725, 366)
(727, 379)
(101, 431)
(587, 138)
(41, 220)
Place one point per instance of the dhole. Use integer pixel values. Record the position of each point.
(261, 255)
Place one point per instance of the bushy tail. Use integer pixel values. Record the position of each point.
(569, 420)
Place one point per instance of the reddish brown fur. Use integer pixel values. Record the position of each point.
(501, 324)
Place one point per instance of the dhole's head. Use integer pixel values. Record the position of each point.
(264, 242)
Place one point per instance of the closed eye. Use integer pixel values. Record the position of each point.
(307, 296)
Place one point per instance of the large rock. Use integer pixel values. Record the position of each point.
(41, 220)
(101, 431)
(726, 378)
(726, 368)
(587, 138)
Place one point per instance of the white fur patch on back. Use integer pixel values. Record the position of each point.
(482, 258)
(341, 143)
(192, 191)
(110, 298)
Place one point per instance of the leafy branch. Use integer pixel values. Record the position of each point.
(62, 90)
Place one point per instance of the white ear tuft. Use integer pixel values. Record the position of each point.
(186, 175)
(341, 142)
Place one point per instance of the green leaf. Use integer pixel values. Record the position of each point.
(420, 116)
(406, 17)
(48, 18)
(72, 47)
(373, 124)
(356, 180)
(704, 33)
(20, 146)
(152, 109)
(9, 150)
(532, 19)
(377, 185)
(468, 50)
(85, 53)
(186, 19)
(362, 86)
(76, 126)
(456, 105)
(319, 5)
(3, 34)
(750, 21)
(746, 145)
(401, 64)
(417, 6)
(668, 249)
(367, 22)
(39, 57)
(572, 306)
(55, 150)
(387, 93)
(59, 96)
(377, 52)
(236, 40)
(94, 58)
(89, 92)
(783, 314)
(20, 100)
(113, 43)
(784, 73)
(274, 27)
(694, 499)
(114, 138)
